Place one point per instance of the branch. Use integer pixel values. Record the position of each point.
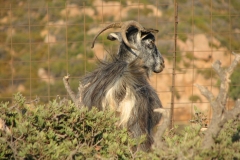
(210, 97)
(158, 143)
(69, 90)
(231, 114)
(223, 75)
(234, 63)
(220, 116)
(217, 124)
(225, 78)
(218, 69)
(205, 92)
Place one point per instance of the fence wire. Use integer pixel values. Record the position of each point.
(42, 41)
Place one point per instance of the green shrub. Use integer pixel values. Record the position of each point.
(186, 143)
(59, 130)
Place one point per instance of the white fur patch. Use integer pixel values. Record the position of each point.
(109, 100)
(80, 89)
(124, 108)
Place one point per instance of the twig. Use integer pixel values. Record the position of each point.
(210, 97)
(231, 114)
(158, 143)
(75, 151)
(36, 100)
(69, 90)
(234, 63)
(4, 128)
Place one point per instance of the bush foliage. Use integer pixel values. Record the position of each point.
(59, 130)
(186, 144)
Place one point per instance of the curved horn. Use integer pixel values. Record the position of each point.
(124, 27)
(112, 25)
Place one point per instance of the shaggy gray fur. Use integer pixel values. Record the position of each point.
(126, 75)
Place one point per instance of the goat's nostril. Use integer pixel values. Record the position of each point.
(162, 64)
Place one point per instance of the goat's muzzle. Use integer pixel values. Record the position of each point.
(159, 66)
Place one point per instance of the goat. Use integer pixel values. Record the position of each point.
(122, 82)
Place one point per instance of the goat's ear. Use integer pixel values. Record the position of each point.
(144, 34)
(114, 36)
(149, 31)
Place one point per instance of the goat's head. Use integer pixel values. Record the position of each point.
(136, 42)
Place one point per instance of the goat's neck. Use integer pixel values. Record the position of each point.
(127, 54)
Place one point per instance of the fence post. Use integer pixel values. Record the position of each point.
(173, 90)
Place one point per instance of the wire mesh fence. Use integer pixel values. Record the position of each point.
(42, 41)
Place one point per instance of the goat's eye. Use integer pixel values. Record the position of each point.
(150, 44)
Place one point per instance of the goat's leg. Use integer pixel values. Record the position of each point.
(69, 90)
(139, 128)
